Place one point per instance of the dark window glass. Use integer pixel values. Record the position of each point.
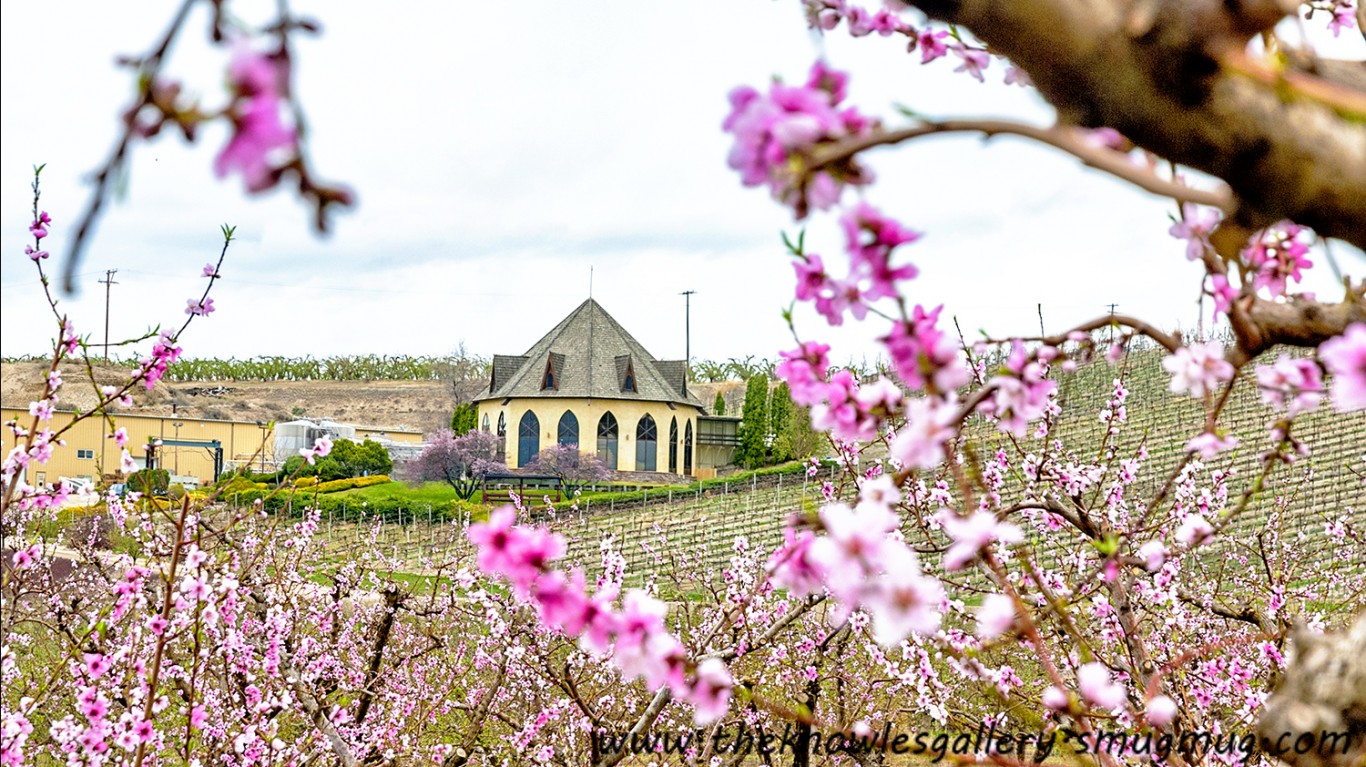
(673, 446)
(647, 438)
(569, 429)
(687, 450)
(607, 440)
(528, 439)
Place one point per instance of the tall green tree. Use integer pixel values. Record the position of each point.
(719, 406)
(754, 424)
(465, 418)
(780, 414)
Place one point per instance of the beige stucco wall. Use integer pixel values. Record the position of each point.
(628, 414)
(240, 439)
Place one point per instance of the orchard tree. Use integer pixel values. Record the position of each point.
(574, 469)
(461, 462)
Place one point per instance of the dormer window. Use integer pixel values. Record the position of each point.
(551, 380)
(626, 374)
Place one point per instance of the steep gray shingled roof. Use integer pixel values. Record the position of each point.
(589, 333)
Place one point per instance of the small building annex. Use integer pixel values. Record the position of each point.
(588, 382)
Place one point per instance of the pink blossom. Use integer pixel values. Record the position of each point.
(995, 616)
(195, 306)
(1153, 554)
(930, 43)
(1295, 385)
(929, 424)
(121, 436)
(258, 131)
(974, 533)
(791, 564)
(36, 255)
(1345, 359)
(1095, 685)
(1160, 711)
(1198, 368)
(42, 409)
(771, 128)
(900, 599)
(710, 694)
(1209, 444)
(974, 60)
(923, 355)
(1056, 699)
(211, 271)
(1194, 227)
(1194, 531)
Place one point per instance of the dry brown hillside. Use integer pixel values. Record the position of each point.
(418, 405)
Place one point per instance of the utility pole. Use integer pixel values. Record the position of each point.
(687, 335)
(108, 283)
(1112, 321)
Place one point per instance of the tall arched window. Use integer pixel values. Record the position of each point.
(673, 445)
(502, 437)
(647, 438)
(607, 440)
(687, 450)
(528, 439)
(485, 426)
(569, 429)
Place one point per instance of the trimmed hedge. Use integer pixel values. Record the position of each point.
(344, 507)
(351, 483)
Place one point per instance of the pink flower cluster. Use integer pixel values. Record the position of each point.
(1293, 385)
(39, 230)
(870, 238)
(923, 355)
(1345, 358)
(772, 130)
(639, 642)
(321, 447)
(864, 564)
(1022, 393)
(1278, 257)
(164, 354)
(1198, 368)
(259, 81)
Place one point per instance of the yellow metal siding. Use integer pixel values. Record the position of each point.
(240, 439)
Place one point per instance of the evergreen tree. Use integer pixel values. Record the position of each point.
(719, 407)
(754, 424)
(780, 424)
(465, 419)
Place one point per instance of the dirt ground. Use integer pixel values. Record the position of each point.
(417, 405)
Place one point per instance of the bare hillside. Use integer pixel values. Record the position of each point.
(418, 405)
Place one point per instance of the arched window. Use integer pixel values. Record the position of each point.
(687, 450)
(647, 438)
(607, 440)
(673, 445)
(569, 429)
(502, 438)
(528, 439)
(485, 426)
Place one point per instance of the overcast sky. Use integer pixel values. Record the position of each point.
(498, 153)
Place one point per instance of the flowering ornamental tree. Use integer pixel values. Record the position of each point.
(574, 469)
(460, 462)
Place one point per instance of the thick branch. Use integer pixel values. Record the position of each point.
(1069, 140)
(1170, 76)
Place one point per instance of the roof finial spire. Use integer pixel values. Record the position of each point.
(590, 281)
